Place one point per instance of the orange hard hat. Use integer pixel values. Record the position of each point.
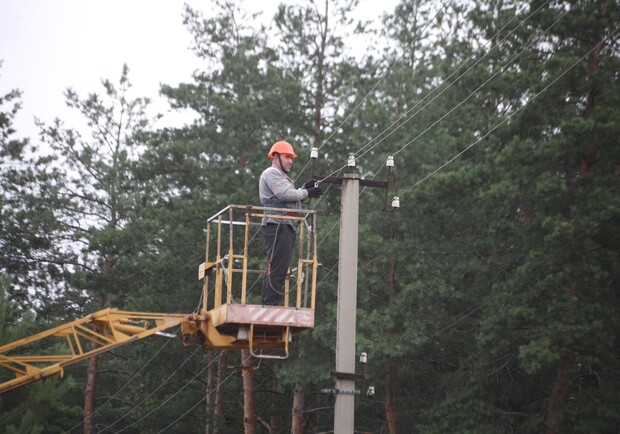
(282, 147)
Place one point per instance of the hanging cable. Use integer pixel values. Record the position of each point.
(505, 119)
(174, 394)
(153, 392)
(198, 403)
(437, 95)
(492, 77)
(449, 86)
(124, 386)
(381, 139)
(377, 84)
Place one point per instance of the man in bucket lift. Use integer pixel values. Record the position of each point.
(277, 190)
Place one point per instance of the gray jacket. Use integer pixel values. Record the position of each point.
(276, 189)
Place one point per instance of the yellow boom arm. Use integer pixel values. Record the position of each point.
(230, 323)
(108, 329)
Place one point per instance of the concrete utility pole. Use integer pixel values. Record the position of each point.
(345, 376)
(347, 301)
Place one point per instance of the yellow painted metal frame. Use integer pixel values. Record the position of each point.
(285, 338)
(107, 329)
(253, 215)
(242, 216)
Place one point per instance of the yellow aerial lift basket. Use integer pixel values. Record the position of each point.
(234, 315)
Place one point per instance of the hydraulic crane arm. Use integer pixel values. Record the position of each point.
(108, 329)
(226, 320)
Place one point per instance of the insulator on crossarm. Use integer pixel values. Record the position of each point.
(314, 153)
(364, 358)
(351, 162)
(396, 202)
(390, 161)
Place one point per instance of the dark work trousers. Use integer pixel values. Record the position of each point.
(279, 242)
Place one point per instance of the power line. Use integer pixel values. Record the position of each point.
(174, 394)
(386, 73)
(430, 93)
(197, 403)
(448, 78)
(124, 386)
(405, 51)
(152, 393)
(500, 70)
(505, 119)
(492, 77)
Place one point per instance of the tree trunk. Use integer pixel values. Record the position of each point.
(594, 62)
(89, 393)
(210, 390)
(390, 406)
(92, 370)
(319, 96)
(219, 396)
(298, 424)
(559, 393)
(249, 408)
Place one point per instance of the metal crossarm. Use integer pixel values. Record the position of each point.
(107, 329)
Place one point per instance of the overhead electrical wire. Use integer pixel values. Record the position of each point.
(428, 23)
(392, 65)
(434, 97)
(492, 77)
(153, 392)
(491, 39)
(123, 387)
(446, 88)
(505, 119)
(500, 123)
(500, 70)
(175, 393)
(197, 403)
(458, 105)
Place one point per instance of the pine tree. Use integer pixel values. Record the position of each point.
(96, 189)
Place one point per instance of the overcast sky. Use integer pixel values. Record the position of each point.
(49, 45)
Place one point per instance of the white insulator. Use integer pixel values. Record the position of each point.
(395, 202)
(390, 161)
(314, 153)
(364, 358)
(371, 391)
(351, 162)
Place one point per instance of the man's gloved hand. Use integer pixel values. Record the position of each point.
(315, 192)
(310, 184)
